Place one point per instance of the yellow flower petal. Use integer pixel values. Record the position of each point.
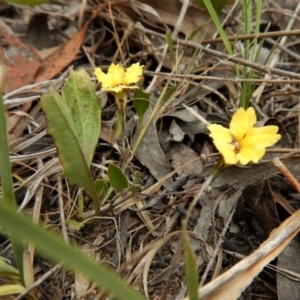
(133, 74)
(242, 142)
(108, 82)
(117, 80)
(227, 150)
(265, 136)
(247, 154)
(242, 121)
(116, 72)
(218, 132)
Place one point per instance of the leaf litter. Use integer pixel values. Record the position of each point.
(243, 222)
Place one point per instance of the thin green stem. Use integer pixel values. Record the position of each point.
(150, 119)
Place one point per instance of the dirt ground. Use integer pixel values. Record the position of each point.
(140, 235)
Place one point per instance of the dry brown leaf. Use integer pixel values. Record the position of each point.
(63, 59)
(182, 154)
(55, 64)
(21, 60)
(150, 154)
(169, 11)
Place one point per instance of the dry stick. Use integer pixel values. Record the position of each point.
(179, 77)
(283, 48)
(259, 36)
(38, 282)
(266, 35)
(116, 36)
(197, 197)
(240, 61)
(174, 38)
(286, 173)
(259, 91)
(61, 211)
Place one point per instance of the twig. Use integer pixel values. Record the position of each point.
(287, 174)
(38, 282)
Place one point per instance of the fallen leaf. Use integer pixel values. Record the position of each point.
(62, 59)
(169, 10)
(150, 154)
(21, 60)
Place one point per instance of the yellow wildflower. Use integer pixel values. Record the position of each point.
(119, 82)
(117, 79)
(243, 142)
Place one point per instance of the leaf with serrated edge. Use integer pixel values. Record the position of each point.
(61, 127)
(79, 94)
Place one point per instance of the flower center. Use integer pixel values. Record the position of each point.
(236, 145)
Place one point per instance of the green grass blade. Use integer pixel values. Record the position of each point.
(218, 24)
(222, 33)
(5, 168)
(251, 52)
(191, 272)
(8, 196)
(52, 247)
(170, 44)
(27, 2)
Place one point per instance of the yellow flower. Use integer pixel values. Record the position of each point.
(243, 142)
(118, 80)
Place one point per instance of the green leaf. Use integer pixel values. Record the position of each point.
(136, 177)
(55, 249)
(79, 94)
(101, 188)
(166, 97)
(117, 178)
(134, 188)
(170, 43)
(75, 225)
(141, 103)
(62, 128)
(27, 2)
(191, 271)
